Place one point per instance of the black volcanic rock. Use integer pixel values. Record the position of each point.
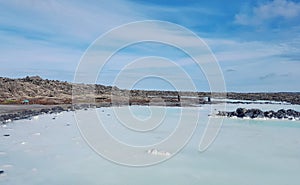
(269, 114)
(45, 111)
(254, 113)
(257, 113)
(240, 112)
(294, 113)
(57, 109)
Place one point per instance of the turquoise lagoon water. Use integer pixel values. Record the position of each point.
(52, 151)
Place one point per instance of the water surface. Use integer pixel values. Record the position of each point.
(52, 151)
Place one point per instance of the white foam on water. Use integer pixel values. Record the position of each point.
(35, 117)
(158, 152)
(36, 134)
(6, 166)
(8, 120)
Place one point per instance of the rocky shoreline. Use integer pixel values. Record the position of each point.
(29, 114)
(9, 113)
(27, 97)
(19, 112)
(288, 114)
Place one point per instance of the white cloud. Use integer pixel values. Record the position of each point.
(67, 19)
(38, 34)
(233, 51)
(275, 9)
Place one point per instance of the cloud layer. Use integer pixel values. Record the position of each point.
(273, 10)
(257, 44)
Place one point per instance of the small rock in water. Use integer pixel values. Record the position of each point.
(1, 171)
(6, 135)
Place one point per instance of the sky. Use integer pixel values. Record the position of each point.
(256, 43)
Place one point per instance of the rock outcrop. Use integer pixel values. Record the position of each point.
(257, 113)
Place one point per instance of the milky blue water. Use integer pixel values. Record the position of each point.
(52, 151)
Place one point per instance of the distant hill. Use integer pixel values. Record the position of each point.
(44, 91)
(37, 90)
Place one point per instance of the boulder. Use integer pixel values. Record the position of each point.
(240, 112)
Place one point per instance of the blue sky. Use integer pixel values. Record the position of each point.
(257, 43)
